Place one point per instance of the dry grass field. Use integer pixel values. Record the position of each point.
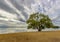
(53, 36)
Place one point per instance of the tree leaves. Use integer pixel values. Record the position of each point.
(39, 21)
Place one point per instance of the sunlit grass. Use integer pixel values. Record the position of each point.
(52, 36)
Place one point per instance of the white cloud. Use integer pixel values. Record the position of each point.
(50, 7)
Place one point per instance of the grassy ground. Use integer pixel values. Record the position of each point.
(31, 37)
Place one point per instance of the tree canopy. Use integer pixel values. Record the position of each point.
(39, 21)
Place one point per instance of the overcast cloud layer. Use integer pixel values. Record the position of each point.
(14, 13)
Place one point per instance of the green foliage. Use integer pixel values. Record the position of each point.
(39, 21)
(56, 27)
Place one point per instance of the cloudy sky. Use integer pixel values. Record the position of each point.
(14, 13)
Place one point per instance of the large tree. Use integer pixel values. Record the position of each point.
(39, 21)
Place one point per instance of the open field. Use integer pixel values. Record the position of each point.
(52, 36)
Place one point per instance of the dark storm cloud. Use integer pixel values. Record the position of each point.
(9, 9)
(18, 4)
(5, 7)
(20, 8)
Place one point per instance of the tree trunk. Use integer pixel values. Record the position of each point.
(39, 29)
